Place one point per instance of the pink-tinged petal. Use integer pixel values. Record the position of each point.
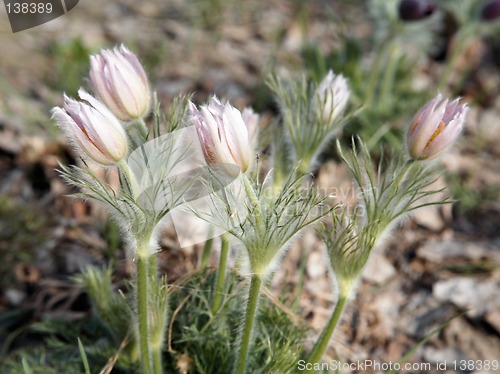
(442, 142)
(134, 62)
(451, 111)
(251, 120)
(237, 136)
(121, 83)
(423, 114)
(424, 130)
(93, 129)
(78, 137)
(223, 135)
(437, 127)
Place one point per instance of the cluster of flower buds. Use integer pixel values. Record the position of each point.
(92, 126)
(435, 128)
(415, 10)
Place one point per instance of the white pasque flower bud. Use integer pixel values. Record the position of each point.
(93, 129)
(120, 81)
(332, 96)
(435, 128)
(251, 120)
(223, 135)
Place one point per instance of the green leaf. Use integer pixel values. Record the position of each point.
(84, 356)
(26, 366)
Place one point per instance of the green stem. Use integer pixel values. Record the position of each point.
(375, 74)
(221, 274)
(253, 299)
(390, 73)
(206, 253)
(142, 311)
(143, 129)
(322, 342)
(153, 267)
(157, 365)
(382, 53)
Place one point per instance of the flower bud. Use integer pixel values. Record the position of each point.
(223, 135)
(415, 10)
(121, 83)
(491, 11)
(332, 96)
(251, 120)
(435, 128)
(93, 129)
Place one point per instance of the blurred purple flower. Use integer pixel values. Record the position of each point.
(491, 11)
(414, 10)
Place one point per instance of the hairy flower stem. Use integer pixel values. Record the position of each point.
(153, 267)
(206, 253)
(157, 365)
(143, 128)
(142, 310)
(251, 310)
(221, 274)
(322, 342)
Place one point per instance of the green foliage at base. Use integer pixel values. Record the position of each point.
(53, 349)
(210, 340)
(206, 342)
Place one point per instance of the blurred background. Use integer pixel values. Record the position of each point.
(440, 262)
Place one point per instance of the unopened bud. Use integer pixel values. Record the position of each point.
(491, 11)
(223, 136)
(121, 83)
(93, 129)
(435, 128)
(414, 10)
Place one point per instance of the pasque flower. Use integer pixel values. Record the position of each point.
(223, 135)
(435, 128)
(121, 83)
(491, 11)
(332, 96)
(415, 10)
(251, 120)
(92, 128)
